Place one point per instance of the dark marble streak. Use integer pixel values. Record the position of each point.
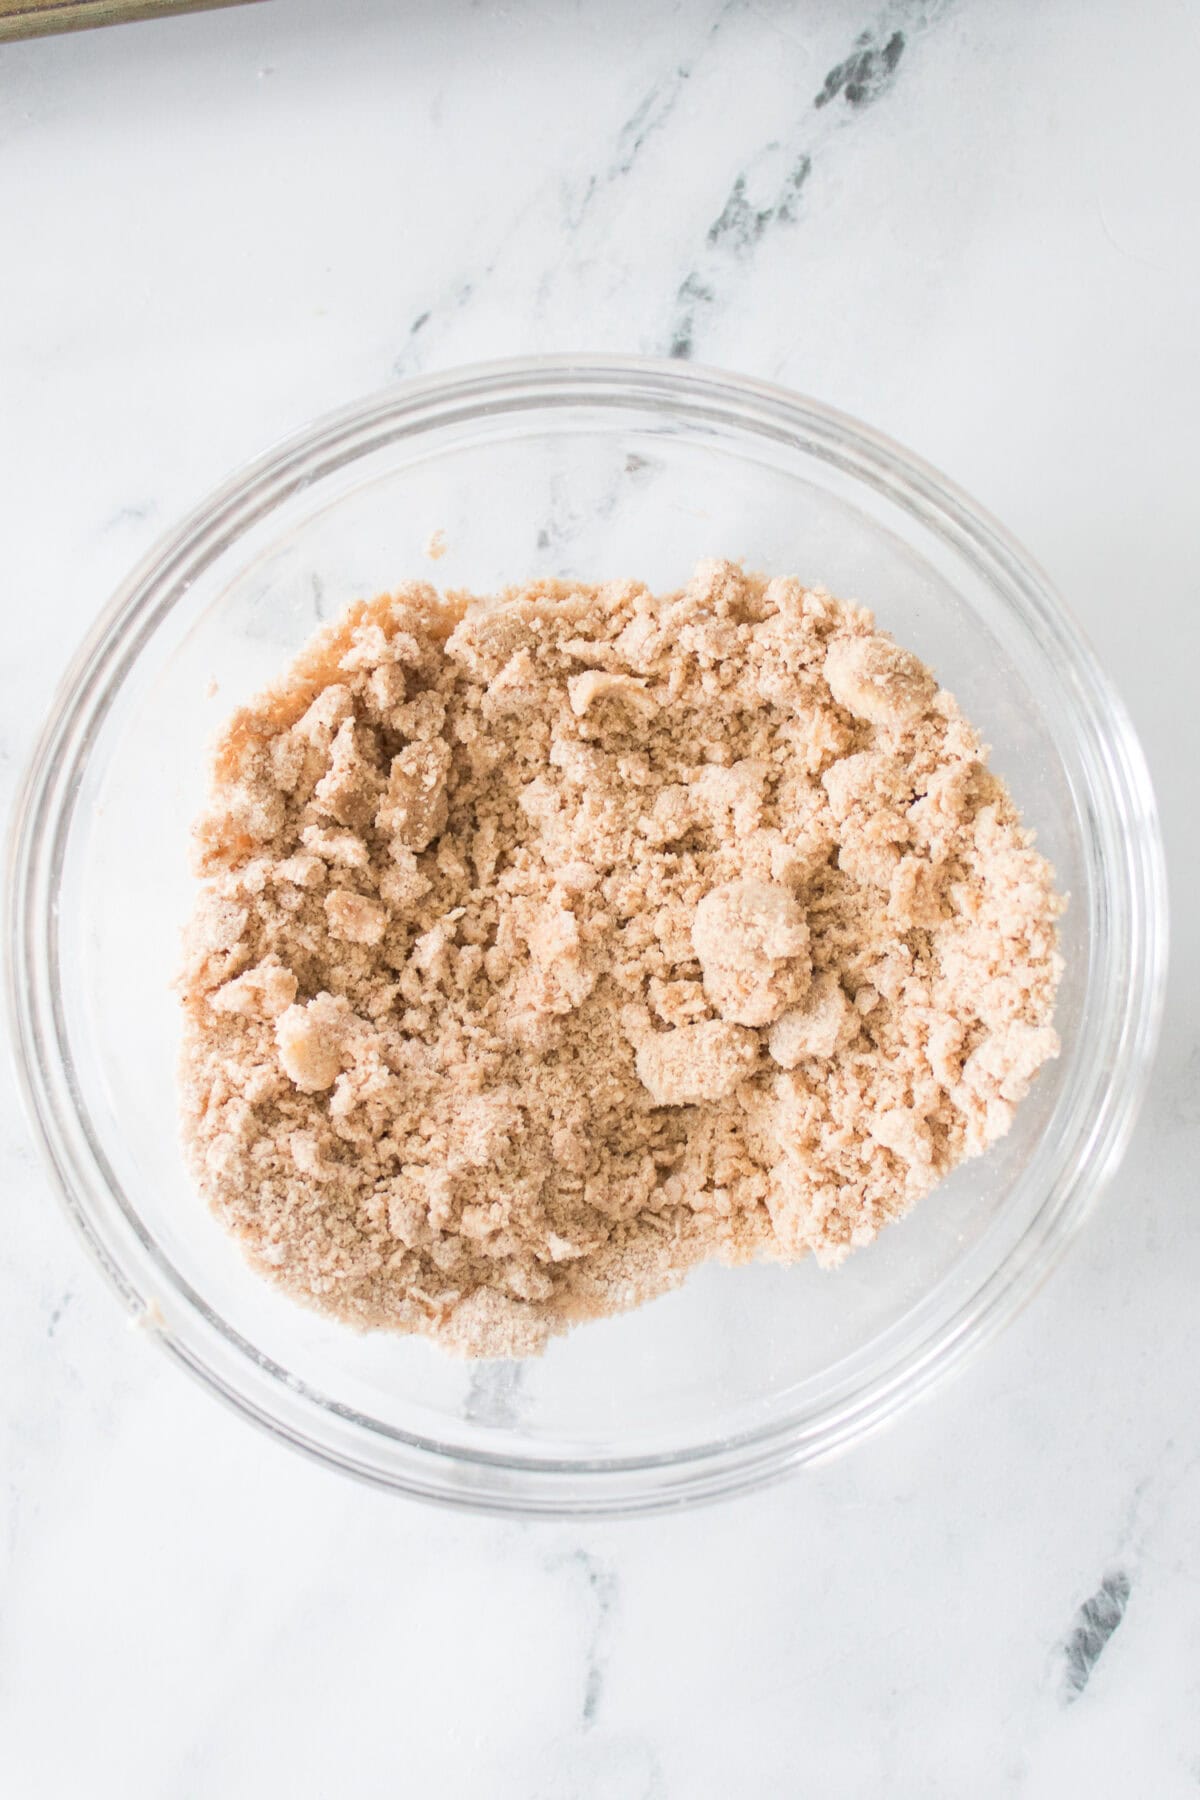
(740, 225)
(409, 359)
(735, 231)
(646, 120)
(129, 515)
(570, 512)
(692, 296)
(859, 79)
(602, 1587)
(1095, 1623)
(564, 517)
(866, 74)
(56, 1314)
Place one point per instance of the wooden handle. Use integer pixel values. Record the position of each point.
(37, 18)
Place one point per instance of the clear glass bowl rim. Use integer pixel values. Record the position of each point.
(195, 1336)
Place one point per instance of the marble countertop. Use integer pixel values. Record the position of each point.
(978, 228)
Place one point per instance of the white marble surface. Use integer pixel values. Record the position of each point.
(217, 226)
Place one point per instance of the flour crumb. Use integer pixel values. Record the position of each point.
(149, 1318)
(436, 546)
(550, 943)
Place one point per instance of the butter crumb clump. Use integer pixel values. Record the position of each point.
(552, 943)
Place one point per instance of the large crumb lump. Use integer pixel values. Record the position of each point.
(553, 943)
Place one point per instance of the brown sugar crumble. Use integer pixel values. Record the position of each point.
(550, 944)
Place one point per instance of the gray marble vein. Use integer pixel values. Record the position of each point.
(1095, 1622)
(602, 1594)
(768, 192)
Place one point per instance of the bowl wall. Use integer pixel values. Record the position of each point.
(589, 471)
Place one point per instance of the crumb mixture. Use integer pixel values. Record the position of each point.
(552, 943)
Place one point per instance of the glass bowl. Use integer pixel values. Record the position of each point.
(582, 467)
